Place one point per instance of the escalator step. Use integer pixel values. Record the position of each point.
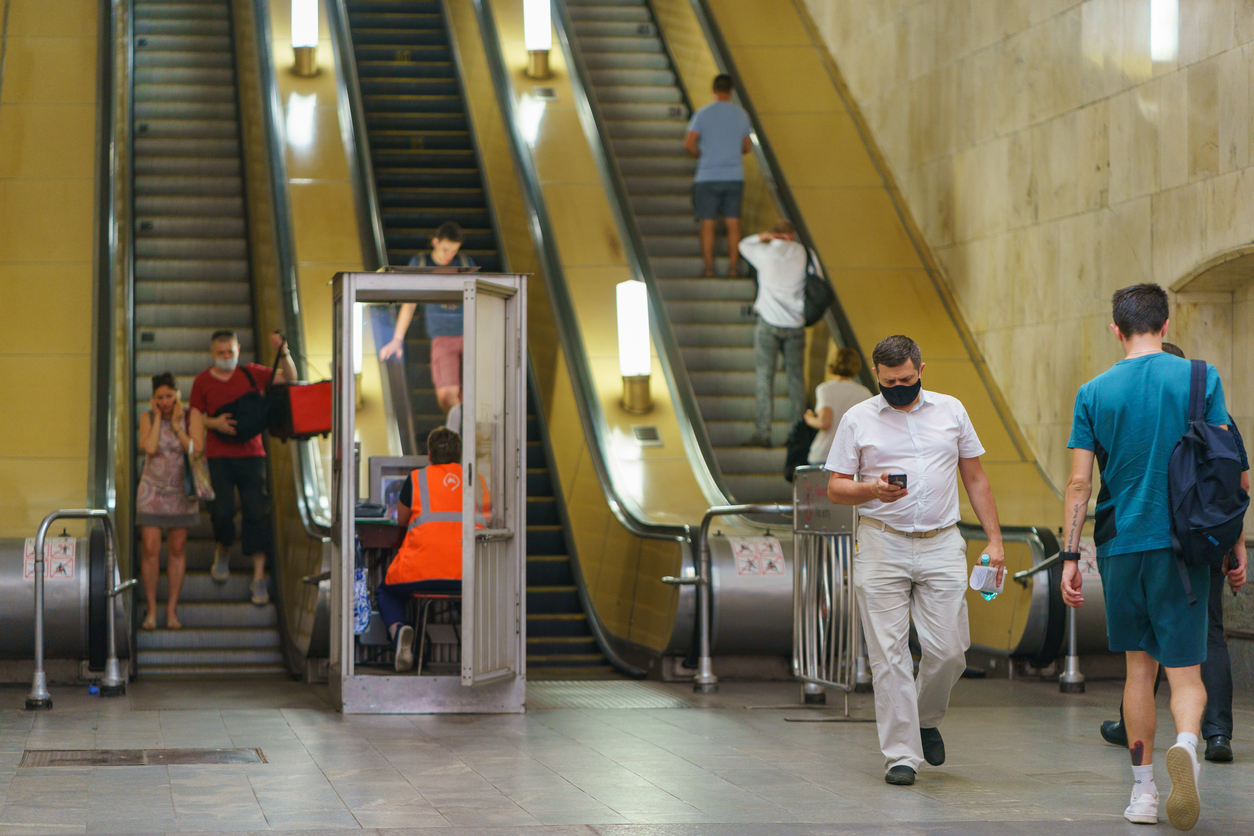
(394, 20)
(431, 198)
(193, 293)
(403, 37)
(221, 249)
(632, 13)
(150, 146)
(179, 205)
(626, 61)
(207, 111)
(388, 70)
(401, 160)
(186, 75)
(161, 59)
(429, 178)
(170, 186)
(182, 43)
(431, 86)
(186, 129)
(171, 92)
(200, 27)
(188, 339)
(425, 52)
(204, 315)
(424, 220)
(203, 270)
(198, 227)
(416, 122)
(385, 6)
(181, 11)
(591, 31)
(197, 166)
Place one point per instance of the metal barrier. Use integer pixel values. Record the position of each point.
(705, 682)
(112, 684)
(827, 637)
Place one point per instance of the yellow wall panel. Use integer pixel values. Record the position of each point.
(32, 488)
(322, 234)
(830, 140)
(49, 420)
(47, 220)
(853, 227)
(759, 24)
(47, 140)
(786, 80)
(52, 19)
(30, 289)
(50, 71)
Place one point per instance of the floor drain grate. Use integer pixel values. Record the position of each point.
(138, 757)
(601, 695)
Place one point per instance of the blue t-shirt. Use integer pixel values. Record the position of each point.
(723, 127)
(442, 320)
(1131, 416)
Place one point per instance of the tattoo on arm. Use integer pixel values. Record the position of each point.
(1077, 526)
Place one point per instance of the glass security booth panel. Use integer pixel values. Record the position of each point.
(487, 618)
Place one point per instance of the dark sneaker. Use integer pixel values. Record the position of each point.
(1218, 749)
(405, 648)
(221, 569)
(933, 746)
(901, 776)
(1114, 733)
(260, 592)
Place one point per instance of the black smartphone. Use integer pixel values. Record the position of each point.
(898, 479)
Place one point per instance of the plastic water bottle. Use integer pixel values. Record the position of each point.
(988, 596)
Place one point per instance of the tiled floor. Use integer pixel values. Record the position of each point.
(1022, 760)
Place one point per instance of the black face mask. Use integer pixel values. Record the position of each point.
(902, 395)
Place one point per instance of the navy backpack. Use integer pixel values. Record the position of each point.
(1204, 488)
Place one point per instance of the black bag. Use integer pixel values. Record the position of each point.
(1204, 488)
(797, 447)
(250, 411)
(819, 293)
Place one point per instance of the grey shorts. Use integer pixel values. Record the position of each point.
(712, 198)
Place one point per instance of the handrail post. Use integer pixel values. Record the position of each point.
(113, 684)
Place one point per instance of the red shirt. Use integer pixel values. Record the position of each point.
(210, 394)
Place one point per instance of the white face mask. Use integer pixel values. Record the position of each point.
(226, 364)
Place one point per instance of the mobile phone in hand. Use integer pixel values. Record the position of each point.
(898, 479)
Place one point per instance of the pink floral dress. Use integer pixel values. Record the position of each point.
(162, 501)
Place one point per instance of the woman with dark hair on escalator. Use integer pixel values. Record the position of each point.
(166, 433)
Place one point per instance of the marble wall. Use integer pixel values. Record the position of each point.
(1051, 154)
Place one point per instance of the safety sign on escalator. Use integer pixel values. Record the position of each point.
(758, 555)
(59, 558)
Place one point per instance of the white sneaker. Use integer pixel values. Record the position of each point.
(221, 569)
(405, 648)
(1184, 804)
(1143, 809)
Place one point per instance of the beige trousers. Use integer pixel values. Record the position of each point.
(898, 579)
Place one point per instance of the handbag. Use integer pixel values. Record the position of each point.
(819, 295)
(250, 411)
(300, 411)
(196, 482)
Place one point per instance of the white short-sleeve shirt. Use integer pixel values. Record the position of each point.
(924, 443)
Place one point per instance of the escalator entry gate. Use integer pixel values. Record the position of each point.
(493, 516)
(827, 635)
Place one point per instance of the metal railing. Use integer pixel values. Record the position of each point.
(705, 682)
(826, 636)
(112, 684)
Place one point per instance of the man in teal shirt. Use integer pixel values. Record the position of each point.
(1129, 419)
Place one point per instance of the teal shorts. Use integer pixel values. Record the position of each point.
(1147, 608)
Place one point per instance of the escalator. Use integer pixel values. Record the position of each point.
(645, 111)
(426, 171)
(192, 277)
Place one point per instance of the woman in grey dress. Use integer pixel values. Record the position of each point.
(166, 433)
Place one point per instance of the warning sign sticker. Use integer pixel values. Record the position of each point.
(758, 556)
(59, 558)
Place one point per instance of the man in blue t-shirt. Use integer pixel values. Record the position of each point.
(444, 322)
(718, 136)
(1129, 419)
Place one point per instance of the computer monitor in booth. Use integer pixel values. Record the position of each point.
(487, 615)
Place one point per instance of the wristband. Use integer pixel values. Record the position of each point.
(1070, 556)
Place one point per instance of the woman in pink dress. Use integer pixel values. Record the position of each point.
(165, 435)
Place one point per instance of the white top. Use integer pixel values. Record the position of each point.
(781, 267)
(924, 443)
(838, 396)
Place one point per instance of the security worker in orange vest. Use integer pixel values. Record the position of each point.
(430, 559)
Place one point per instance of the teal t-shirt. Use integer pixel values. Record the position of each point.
(1131, 416)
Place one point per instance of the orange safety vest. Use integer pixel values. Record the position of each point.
(433, 545)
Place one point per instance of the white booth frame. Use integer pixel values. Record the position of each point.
(493, 675)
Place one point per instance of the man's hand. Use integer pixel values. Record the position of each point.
(223, 423)
(886, 491)
(1236, 575)
(395, 348)
(276, 341)
(1071, 581)
(996, 559)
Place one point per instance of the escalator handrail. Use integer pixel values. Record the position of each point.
(772, 172)
(688, 412)
(312, 501)
(587, 400)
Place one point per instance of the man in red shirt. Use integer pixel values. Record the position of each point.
(237, 464)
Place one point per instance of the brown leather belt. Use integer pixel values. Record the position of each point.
(914, 535)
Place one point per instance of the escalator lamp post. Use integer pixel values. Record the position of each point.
(538, 37)
(305, 37)
(634, 361)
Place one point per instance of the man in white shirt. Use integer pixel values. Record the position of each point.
(780, 306)
(911, 559)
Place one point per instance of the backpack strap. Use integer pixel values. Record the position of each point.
(1197, 390)
(1184, 579)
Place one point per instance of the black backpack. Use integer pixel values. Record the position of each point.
(797, 447)
(819, 293)
(251, 410)
(1204, 488)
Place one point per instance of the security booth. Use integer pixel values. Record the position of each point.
(486, 613)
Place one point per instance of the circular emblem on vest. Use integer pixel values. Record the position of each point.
(452, 481)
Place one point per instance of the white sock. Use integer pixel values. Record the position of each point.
(1187, 739)
(1143, 780)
